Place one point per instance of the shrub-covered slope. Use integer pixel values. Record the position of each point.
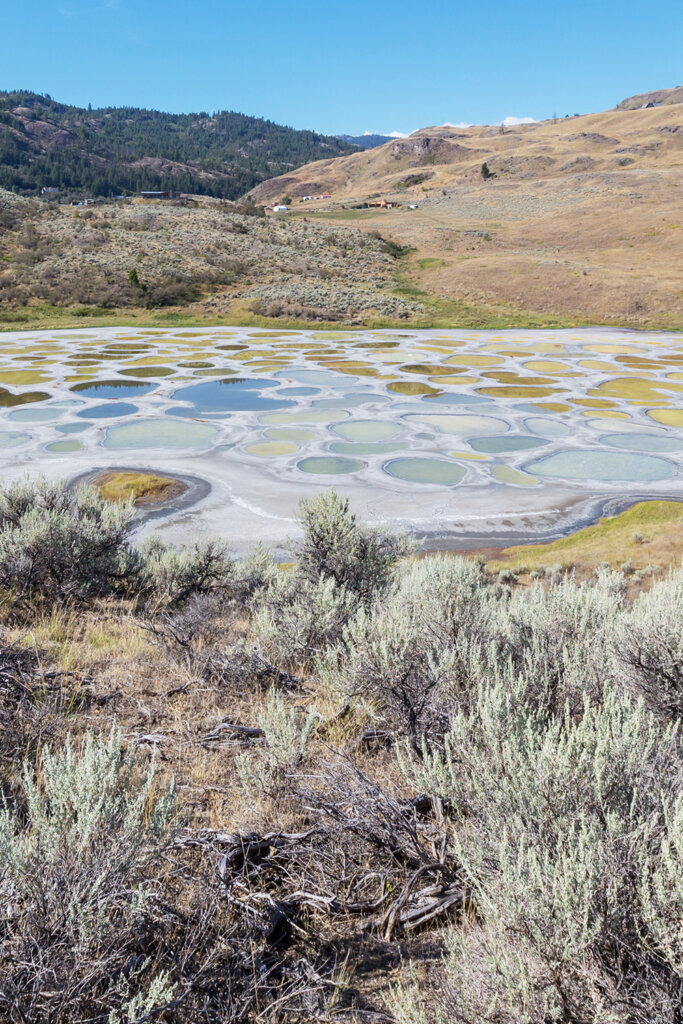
(363, 787)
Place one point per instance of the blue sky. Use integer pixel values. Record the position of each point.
(385, 66)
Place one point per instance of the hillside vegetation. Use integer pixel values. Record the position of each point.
(363, 787)
(207, 258)
(580, 221)
(580, 217)
(117, 150)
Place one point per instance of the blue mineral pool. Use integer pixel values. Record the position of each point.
(72, 428)
(603, 466)
(103, 412)
(64, 447)
(231, 395)
(160, 434)
(298, 392)
(425, 471)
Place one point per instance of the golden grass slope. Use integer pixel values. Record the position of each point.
(658, 96)
(583, 219)
(604, 142)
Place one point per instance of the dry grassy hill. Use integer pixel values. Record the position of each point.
(658, 97)
(582, 218)
(443, 156)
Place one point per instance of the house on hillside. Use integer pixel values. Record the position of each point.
(280, 208)
(49, 190)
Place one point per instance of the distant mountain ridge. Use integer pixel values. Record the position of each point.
(368, 141)
(114, 150)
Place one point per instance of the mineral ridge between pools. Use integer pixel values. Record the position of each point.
(452, 434)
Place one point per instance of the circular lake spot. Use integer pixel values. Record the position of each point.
(604, 466)
(425, 471)
(329, 466)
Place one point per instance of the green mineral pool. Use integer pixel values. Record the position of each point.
(157, 433)
(506, 443)
(272, 448)
(603, 466)
(64, 446)
(289, 434)
(425, 471)
(365, 430)
(508, 475)
(329, 466)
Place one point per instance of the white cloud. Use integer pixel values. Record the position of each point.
(507, 122)
(390, 135)
(511, 121)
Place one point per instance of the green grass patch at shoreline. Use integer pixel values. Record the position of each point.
(439, 314)
(649, 533)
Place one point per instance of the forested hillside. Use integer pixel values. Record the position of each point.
(124, 149)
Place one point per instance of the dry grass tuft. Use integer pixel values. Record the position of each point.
(146, 488)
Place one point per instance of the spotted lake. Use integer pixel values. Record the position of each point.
(462, 436)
